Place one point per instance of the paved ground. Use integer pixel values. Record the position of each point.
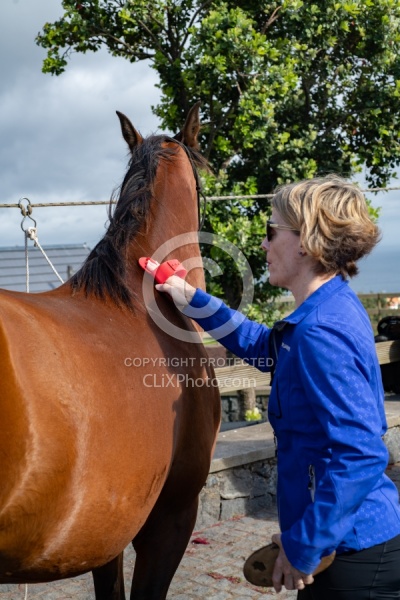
(210, 570)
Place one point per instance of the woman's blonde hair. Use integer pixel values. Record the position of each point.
(332, 217)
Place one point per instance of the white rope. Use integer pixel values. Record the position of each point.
(26, 262)
(31, 233)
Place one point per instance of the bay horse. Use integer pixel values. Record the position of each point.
(92, 457)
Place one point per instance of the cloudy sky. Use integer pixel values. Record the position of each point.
(60, 138)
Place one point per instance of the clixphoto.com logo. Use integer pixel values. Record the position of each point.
(177, 380)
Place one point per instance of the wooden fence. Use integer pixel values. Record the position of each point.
(241, 376)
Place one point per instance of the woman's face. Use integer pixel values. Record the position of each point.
(283, 258)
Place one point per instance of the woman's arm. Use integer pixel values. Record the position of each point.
(243, 337)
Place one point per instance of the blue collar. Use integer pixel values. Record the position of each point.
(320, 295)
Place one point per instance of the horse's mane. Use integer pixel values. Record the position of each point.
(103, 274)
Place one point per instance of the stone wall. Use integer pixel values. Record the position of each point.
(243, 490)
(232, 409)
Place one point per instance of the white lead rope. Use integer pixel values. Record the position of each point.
(27, 261)
(31, 233)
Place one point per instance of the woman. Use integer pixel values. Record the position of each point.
(326, 403)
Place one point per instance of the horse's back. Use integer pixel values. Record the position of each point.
(88, 437)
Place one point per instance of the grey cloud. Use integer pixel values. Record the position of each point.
(60, 139)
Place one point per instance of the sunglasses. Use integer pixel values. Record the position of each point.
(271, 226)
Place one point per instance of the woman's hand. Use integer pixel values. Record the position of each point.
(180, 291)
(285, 574)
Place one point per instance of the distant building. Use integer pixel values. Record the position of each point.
(393, 302)
(66, 258)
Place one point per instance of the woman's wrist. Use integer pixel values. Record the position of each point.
(189, 292)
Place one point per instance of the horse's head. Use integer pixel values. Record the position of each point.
(167, 167)
(158, 201)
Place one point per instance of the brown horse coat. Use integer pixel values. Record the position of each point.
(100, 442)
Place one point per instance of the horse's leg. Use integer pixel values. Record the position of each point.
(109, 580)
(160, 546)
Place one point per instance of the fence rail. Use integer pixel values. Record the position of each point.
(243, 376)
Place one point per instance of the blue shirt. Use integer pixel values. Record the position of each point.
(327, 410)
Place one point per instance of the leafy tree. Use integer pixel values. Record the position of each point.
(289, 89)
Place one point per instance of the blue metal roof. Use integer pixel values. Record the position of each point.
(67, 259)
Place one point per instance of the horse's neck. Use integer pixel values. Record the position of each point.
(171, 231)
(182, 246)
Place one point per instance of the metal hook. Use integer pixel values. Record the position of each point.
(26, 212)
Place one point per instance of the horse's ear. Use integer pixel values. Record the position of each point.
(131, 136)
(190, 131)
